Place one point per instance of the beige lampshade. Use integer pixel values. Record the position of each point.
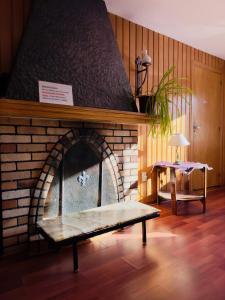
(178, 139)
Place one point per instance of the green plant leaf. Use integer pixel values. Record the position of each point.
(164, 94)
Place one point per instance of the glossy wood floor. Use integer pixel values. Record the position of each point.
(184, 259)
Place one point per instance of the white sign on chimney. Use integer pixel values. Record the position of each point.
(56, 93)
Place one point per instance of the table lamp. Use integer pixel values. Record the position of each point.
(178, 140)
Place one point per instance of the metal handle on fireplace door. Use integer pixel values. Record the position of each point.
(61, 185)
(196, 128)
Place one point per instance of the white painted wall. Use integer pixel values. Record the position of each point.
(198, 23)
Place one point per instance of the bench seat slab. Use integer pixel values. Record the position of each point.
(77, 226)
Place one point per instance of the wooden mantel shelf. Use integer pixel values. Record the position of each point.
(30, 109)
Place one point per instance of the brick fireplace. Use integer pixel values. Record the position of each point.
(25, 145)
(80, 50)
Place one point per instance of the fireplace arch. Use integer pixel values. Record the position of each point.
(86, 140)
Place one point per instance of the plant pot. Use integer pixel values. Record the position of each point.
(147, 104)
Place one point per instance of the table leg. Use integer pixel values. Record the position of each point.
(144, 237)
(75, 257)
(157, 184)
(205, 189)
(173, 190)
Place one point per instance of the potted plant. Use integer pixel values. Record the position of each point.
(157, 103)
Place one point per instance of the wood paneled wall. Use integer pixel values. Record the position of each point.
(13, 18)
(131, 39)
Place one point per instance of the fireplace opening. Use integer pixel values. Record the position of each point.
(82, 181)
(80, 173)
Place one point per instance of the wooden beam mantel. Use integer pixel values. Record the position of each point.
(30, 109)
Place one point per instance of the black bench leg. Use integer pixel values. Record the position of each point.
(75, 257)
(204, 205)
(144, 238)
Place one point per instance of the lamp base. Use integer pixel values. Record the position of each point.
(177, 162)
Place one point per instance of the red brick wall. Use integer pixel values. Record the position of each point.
(24, 147)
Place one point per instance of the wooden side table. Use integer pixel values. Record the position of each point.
(173, 195)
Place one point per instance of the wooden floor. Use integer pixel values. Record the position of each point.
(184, 259)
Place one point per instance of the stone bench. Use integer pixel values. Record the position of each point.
(70, 229)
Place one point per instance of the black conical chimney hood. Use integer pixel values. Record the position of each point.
(71, 42)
